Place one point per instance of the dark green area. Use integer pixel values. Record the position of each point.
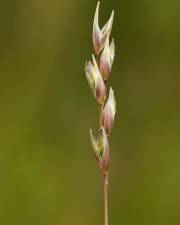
(48, 175)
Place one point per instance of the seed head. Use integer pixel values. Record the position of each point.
(101, 35)
(101, 149)
(95, 80)
(109, 113)
(107, 58)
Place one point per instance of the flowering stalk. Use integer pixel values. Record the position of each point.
(97, 73)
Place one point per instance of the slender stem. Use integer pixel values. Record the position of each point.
(106, 198)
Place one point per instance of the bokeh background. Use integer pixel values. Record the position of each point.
(48, 175)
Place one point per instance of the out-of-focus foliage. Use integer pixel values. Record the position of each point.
(47, 170)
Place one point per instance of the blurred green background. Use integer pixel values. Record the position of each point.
(48, 175)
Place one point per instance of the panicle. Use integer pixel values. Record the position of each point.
(97, 73)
